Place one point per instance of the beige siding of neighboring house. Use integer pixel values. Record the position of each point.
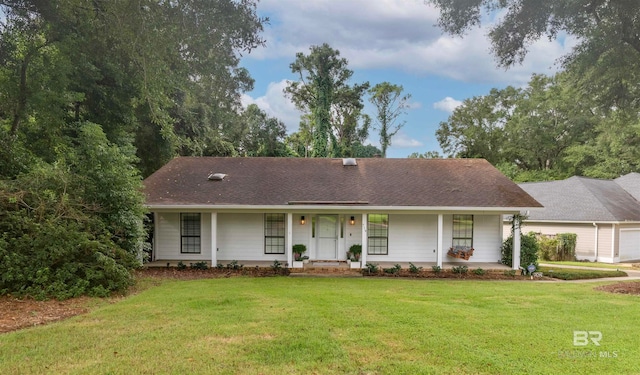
(586, 232)
(605, 244)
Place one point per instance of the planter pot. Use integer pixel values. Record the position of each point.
(297, 264)
(354, 265)
(306, 261)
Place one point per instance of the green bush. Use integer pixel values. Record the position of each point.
(558, 248)
(74, 225)
(479, 271)
(528, 250)
(547, 247)
(413, 268)
(460, 270)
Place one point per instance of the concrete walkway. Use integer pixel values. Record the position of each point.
(633, 273)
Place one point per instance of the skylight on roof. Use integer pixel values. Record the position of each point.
(349, 161)
(217, 176)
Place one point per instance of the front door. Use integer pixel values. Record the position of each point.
(327, 237)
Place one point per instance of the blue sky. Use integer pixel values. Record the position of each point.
(388, 40)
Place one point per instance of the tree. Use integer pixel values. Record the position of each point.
(426, 155)
(390, 104)
(525, 21)
(264, 135)
(85, 87)
(324, 93)
(476, 128)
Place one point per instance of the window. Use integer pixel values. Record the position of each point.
(378, 234)
(274, 233)
(462, 231)
(190, 233)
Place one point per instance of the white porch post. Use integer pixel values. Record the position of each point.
(288, 243)
(516, 243)
(365, 245)
(440, 240)
(214, 239)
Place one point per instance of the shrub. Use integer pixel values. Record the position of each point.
(567, 246)
(414, 269)
(528, 250)
(479, 271)
(547, 247)
(461, 270)
(234, 265)
(181, 265)
(393, 270)
(371, 268)
(436, 269)
(199, 266)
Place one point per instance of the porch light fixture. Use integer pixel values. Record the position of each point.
(302, 220)
(352, 221)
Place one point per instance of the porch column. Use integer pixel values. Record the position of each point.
(516, 243)
(288, 243)
(214, 239)
(365, 245)
(440, 240)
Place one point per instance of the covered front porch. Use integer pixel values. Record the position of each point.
(392, 237)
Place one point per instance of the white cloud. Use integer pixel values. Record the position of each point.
(447, 104)
(396, 34)
(402, 140)
(277, 105)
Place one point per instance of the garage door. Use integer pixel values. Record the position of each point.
(629, 244)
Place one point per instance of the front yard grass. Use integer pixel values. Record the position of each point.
(337, 326)
(579, 274)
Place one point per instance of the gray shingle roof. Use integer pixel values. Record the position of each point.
(373, 182)
(585, 199)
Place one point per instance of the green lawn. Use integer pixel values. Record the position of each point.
(285, 325)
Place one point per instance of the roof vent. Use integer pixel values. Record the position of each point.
(217, 176)
(349, 161)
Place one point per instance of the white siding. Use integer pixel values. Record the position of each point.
(352, 234)
(241, 237)
(486, 238)
(302, 233)
(167, 246)
(412, 238)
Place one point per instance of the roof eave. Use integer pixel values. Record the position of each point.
(333, 207)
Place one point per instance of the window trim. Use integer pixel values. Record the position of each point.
(183, 236)
(269, 236)
(369, 236)
(453, 229)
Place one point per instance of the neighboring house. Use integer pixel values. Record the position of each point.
(399, 210)
(605, 214)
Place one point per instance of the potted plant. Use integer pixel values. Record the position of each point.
(298, 250)
(353, 256)
(354, 253)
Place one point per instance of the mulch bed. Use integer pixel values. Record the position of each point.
(22, 313)
(631, 287)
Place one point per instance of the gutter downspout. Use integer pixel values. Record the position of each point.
(596, 244)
